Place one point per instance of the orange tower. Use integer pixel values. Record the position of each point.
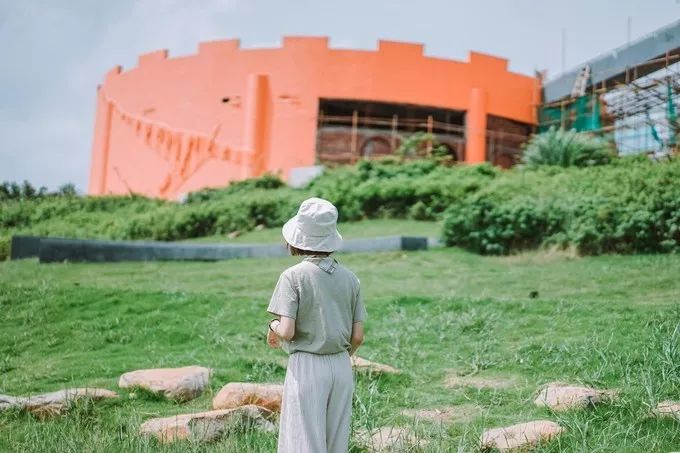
(173, 125)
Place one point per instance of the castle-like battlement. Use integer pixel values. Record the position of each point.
(225, 48)
(152, 57)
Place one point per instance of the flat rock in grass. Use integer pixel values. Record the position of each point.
(181, 384)
(454, 379)
(561, 397)
(209, 426)
(7, 402)
(520, 436)
(451, 414)
(388, 439)
(46, 404)
(236, 394)
(665, 409)
(361, 364)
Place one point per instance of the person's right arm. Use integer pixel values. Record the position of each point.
(357, 336)
(283, 305)
(358, 316)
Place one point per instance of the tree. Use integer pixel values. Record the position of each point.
(67, 190)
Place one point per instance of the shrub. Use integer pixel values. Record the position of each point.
(267, 181)
(565, 149)
(497, 228)
(388, 188)
(631, 207)
(418, 142)
(4, 247)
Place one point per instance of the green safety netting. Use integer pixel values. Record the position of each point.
(583, 114)
(671, 113)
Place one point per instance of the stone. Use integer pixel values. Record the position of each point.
(665, 409)
(361, 364)
(46, 404)
(454, 379)
(234, 234)
(7, 402)
(452, 414)
(561, 397)
(181, 384)
(520, 436)
(237, 394)
(388, 439)
(209, 426)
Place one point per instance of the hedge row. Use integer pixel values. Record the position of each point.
(421, 189)
(629, 206)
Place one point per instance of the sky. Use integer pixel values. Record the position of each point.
(54, 52)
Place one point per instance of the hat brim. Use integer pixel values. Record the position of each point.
(299, 239)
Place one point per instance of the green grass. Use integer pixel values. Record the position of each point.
(349, 230)
(609, 321)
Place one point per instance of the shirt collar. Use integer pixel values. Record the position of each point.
(326, 263)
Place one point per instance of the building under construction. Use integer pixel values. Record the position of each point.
(629, 95)
(173, 125)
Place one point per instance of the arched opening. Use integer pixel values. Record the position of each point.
(375, 147)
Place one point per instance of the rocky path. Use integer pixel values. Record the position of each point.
(241, 406)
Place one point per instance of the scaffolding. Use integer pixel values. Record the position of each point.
(636, 110)
(347, 139)
(349, 131)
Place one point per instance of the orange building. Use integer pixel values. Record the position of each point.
(173, 125)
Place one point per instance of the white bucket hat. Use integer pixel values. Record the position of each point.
(314, 227)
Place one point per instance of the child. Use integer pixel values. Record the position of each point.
(319, 323)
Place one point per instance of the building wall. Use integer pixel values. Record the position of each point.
(173, 125)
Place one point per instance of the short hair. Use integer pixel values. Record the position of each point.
(294, 251)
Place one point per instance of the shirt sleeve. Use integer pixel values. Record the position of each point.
(359, 308)
(284, 301)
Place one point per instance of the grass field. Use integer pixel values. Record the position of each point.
(610, 321)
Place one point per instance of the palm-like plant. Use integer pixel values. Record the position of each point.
(558, 147)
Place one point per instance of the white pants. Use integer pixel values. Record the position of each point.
(317, 404)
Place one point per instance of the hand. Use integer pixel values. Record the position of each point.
(272, 338)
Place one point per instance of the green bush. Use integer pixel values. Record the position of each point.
(4, 247)
(561, 148)
(415, 144)
(420, 189)
(267, 181)
(630, 207)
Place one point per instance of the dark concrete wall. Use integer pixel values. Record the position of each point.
(50, 250)
(24, 247)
